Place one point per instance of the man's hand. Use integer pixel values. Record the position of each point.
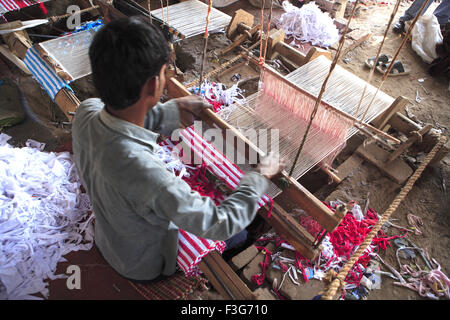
(190, 108)
(271, 165)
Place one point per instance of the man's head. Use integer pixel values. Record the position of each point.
(128, 58)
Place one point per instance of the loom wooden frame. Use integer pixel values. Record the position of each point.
(282, 222)
(219, 273)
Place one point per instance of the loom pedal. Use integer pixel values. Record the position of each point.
(397, 169)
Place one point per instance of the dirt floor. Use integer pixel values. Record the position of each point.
(429, 198)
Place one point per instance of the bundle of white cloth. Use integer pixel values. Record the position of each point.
(43, 216)
(308, 24)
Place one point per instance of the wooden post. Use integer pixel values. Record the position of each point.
(223, 278)
(382, 120)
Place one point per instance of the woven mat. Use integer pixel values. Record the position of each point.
(175, 287)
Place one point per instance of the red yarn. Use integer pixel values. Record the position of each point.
(259, 278)
(43, 8)
(198, 181)
(351, 233)
(217, 106)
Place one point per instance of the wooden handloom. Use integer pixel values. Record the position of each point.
(223, 278)
(282, 222)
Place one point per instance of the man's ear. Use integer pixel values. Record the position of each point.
(151, 86)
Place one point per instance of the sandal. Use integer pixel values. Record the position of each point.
(398, 69)
(382, 59)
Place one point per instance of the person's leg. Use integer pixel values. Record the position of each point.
(410, 14)
(414, 9)
(442, 12)
(236, 240)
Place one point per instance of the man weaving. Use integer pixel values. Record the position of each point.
(139, 205)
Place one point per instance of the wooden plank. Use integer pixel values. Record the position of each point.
(396, 170)
(349, 47)
(243, 258)
(18, 42)
(67, 102)
(316, 52)
(230, 278)
(382, 120)
(303, 242)
(275, 36)
(349, 166)
(216, 283)
(403, 124)
(340, 8)
(290, 53)
(6, 52)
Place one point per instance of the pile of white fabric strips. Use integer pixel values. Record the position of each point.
(308, 23)
(43, 216)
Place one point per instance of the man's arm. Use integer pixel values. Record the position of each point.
(174, 200)
(166, 117)
(163, 118)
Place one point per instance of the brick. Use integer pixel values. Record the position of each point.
(254, 267)
(264, 294)
(242, 259)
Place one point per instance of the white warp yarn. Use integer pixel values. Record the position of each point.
(308, 23)
(43, 216)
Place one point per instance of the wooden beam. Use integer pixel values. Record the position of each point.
(340, 8)
(275, 36)
(290, 53)
(414, 137)
(397, 170)
(403, 124)
(315, 52)
(224, 279)
(397, 105)
(291, 230)
(6, 52)
(67, 102)
(18, 42)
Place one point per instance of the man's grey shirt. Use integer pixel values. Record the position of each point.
(138, 203)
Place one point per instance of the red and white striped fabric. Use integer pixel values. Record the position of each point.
(191, 249)
(11, 5)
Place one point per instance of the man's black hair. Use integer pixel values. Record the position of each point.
(124, 54)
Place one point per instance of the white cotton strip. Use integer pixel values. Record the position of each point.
(308, 23)
(43, 216)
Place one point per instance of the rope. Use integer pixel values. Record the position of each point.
(162, 9)
(388, 70)
(167, 6)
(322, 90)
(261, 59)
(267, 32)
(67, 15)
(205, 44)
(394, 11)
(149, 10)
(339, 280)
